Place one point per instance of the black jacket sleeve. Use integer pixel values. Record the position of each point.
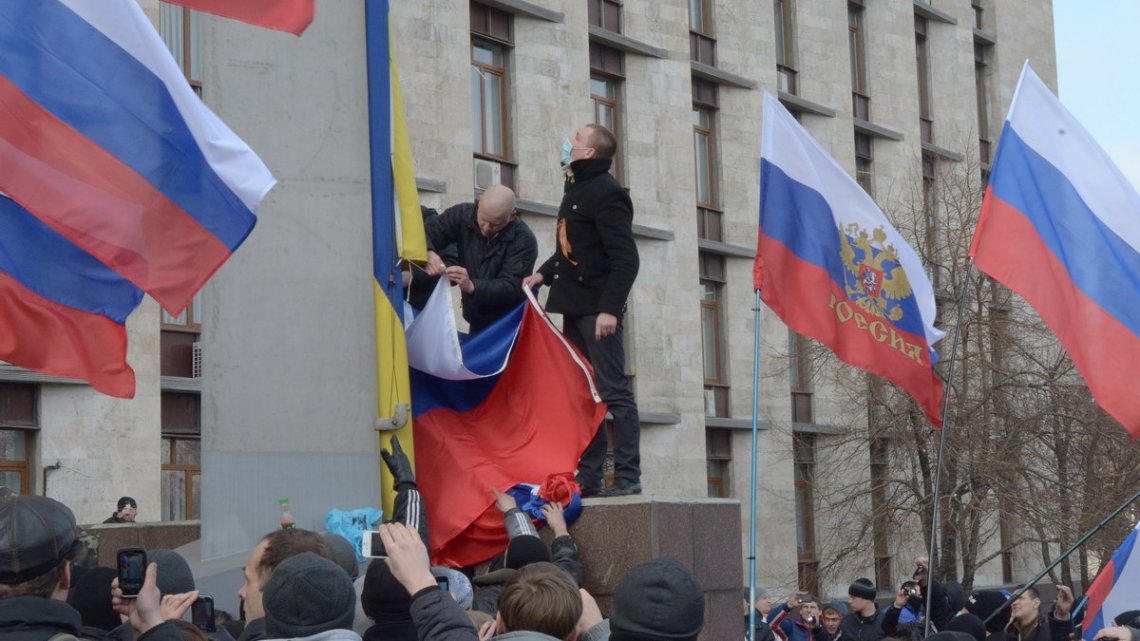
(614, 222)
(438, 617)
(564, 554)
(890, 620)
(505, 288)
(409, 510)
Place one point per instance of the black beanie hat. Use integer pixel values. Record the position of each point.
(1128, 618)
(343, 553)
(955, 594)
(659, 600)
(862, 588)
(91, 597)
(968, 623)
(384, 599)
(524, 550)
(305, 595)
(982, 604)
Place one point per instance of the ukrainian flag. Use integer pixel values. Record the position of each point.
(397, 226)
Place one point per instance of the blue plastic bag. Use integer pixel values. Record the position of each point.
(352, 524)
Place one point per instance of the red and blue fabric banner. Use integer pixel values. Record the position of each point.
(1060, 225)
(1114, 590)
(130, 182)
(520, 407)
(293, 16)
(833, 268)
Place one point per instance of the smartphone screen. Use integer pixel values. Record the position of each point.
(202, 614)
(373, 546)
(132, 570)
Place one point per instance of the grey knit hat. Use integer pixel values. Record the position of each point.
(343, 553)
(659, 600)
(305, 595)
(174, 576)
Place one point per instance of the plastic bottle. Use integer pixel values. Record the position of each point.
(287, 520)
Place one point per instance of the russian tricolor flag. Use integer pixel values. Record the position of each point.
(830, 264)
(1060, 225)
(1115, 589)
(131, 178)
(511, 404)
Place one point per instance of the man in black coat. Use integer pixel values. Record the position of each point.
(590, 276)
(493, 251)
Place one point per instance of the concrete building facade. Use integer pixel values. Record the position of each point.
(268, 389)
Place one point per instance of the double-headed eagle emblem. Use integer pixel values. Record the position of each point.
(874, 279)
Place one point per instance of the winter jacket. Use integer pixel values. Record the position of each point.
(595, 259)
(794, 630)
(1055, 630)
(856, 627)
(29, 618)
(601, 632)
(495, 265)
(253, 631)
(563, 553)
(439, 618)
(941, 615)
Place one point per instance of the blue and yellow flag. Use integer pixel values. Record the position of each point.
(397, 226)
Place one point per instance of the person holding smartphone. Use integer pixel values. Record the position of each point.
(802, 627)
(39, 538)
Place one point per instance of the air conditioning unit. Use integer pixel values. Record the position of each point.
(487, 173)
(196, 360)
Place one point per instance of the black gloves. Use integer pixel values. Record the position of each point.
(398, 464)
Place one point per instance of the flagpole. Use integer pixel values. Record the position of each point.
(755, 447)
(936, 516)
(1088, 535)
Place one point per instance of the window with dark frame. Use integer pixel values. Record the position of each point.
(864, 160)
(856, 40)
(799, 361)
(922, 65)
(713, 276)
(492, 39)
(979, 15)
(181, 30)
(607, 74)
(930, 208)
(19, 423)
(981, 87)
(803, 456)
(718, 449)
(181, 467)
(706, 163)
(605, 14)
(702, 38)
(785, 46)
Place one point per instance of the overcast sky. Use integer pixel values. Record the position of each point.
(1098, 73)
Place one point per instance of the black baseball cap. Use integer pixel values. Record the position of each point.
(127, 501)
(36, 535)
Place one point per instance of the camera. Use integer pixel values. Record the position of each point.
(132, 571)
(912, 592)
(810, 620)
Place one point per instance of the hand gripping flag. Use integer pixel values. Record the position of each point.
(283, 15)
(832, 267)
(104, 142)
(1114, 590)
(518, 404)
(1060, 225)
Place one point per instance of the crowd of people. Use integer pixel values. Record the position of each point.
(299, 584)
(921, 605)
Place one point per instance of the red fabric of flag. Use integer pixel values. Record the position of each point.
(293, 16)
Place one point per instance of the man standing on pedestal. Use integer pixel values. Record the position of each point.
(590, 275)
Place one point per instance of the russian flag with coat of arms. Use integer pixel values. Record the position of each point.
(833, 268)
